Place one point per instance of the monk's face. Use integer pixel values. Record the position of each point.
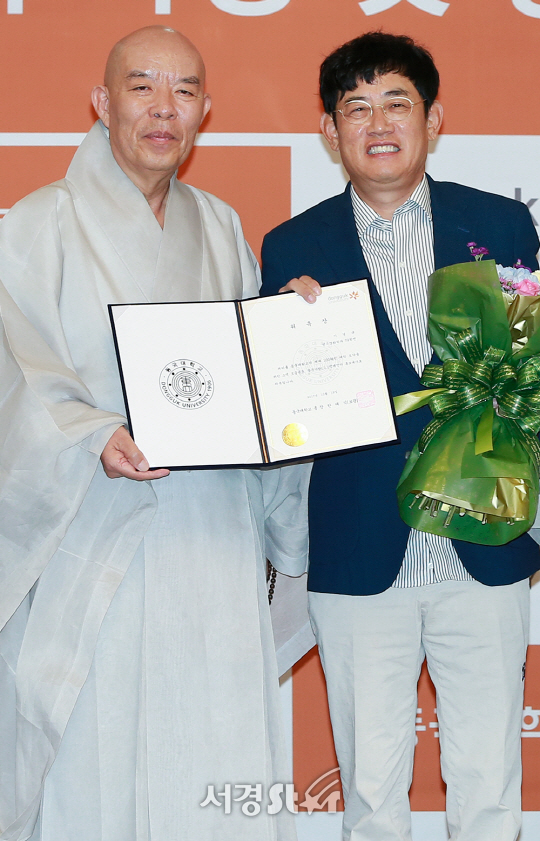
(153, 102)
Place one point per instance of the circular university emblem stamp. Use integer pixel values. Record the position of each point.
(186, 384)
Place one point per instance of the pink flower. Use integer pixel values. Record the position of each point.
(527, 287)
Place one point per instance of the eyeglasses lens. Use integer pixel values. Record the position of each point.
(394, 109)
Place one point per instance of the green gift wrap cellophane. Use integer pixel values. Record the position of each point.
(473, 474)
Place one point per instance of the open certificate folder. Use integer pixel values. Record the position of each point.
(261, 381)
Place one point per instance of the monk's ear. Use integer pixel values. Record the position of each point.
(207, 102)
(100, 101)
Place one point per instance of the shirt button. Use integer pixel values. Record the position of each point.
(402, 265)
(416, 362)
(409, 313)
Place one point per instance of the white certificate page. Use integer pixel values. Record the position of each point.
(186, 385)
(319, 372)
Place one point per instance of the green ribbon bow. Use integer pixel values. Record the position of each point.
(475, 378)
(479, 455)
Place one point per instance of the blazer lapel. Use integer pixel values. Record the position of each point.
(342, 250)
(451, 232)
(387, 333)
(339, 242)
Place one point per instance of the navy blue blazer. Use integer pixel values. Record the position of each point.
(357, 538)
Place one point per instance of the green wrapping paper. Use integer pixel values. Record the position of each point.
(473, 474)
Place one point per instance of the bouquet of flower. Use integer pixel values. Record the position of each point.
(473, 474)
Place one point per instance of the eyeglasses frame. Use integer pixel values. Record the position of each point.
(382, 105)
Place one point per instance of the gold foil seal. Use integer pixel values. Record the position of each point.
(295, 434)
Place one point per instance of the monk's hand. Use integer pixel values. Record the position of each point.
(305, 286)
(122, 457)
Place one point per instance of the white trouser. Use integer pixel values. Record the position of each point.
(372, 647)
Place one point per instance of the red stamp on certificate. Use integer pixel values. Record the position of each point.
(365, 399)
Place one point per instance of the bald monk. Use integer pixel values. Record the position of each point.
(136, 657)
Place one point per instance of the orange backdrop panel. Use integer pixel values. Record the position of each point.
(254, 180)
(531, 744)
(262, 70)
(314, 753)
(24, 169)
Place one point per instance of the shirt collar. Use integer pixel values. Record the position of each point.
(365, 215)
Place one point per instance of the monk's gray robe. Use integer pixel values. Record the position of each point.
(136, 661)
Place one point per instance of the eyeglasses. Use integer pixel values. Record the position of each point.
(359, 111)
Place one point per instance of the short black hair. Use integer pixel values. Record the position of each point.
(374, 54)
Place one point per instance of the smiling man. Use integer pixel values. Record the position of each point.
(137, 665)
(384, 597)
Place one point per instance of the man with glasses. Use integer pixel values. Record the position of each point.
(384, 597)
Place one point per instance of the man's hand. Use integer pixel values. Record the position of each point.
(308, 288)
(122, 457)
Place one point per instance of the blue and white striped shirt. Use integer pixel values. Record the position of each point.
(400, 258)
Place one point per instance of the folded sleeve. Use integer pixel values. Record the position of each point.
(285, 492)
